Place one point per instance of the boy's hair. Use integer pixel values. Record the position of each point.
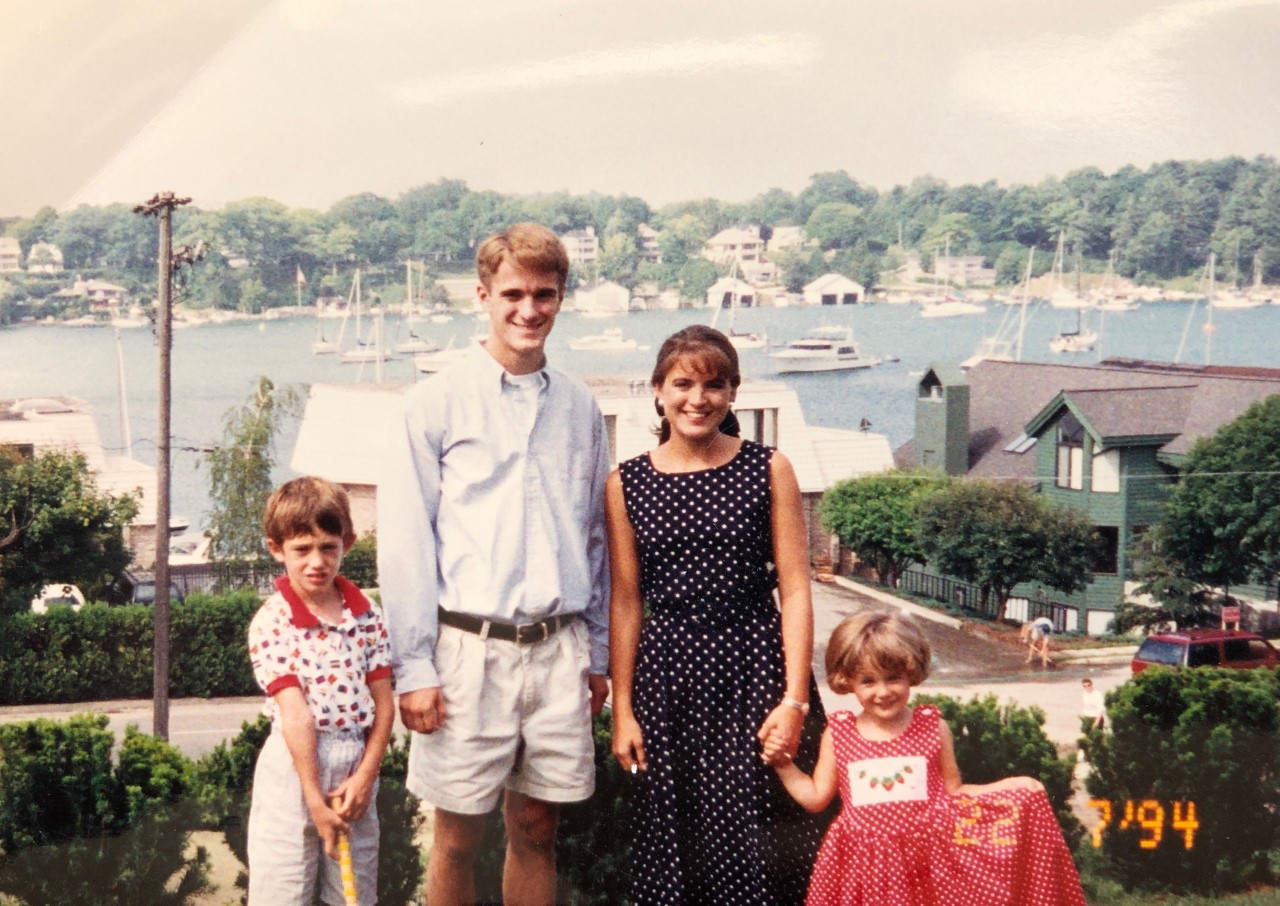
(884, 642)
(529, 245)
(305, 505)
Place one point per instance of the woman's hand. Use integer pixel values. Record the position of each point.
(628, 743)
(780, 734)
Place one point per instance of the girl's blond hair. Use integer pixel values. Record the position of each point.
(873, 640)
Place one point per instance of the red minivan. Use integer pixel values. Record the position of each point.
(1205, 648)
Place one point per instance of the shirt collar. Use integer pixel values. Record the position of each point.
(492, 369)
(300, 614)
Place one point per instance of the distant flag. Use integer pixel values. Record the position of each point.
(302, 278)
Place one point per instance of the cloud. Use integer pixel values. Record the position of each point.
(1122, 78)
(793, 55)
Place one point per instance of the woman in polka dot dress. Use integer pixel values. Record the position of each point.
(705, 665)
(910, 832)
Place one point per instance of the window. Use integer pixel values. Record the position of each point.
(1106, 472)
(1204, 654)
(1107, 560)
(1237, 650)
(1070, 462)
(760, 425)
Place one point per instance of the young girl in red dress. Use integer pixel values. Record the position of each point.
(910, 832)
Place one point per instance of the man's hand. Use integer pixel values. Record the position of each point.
(422, 710)
(599, 686)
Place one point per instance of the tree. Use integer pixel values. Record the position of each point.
(1222, 521)
(1176, 598)
(877, 517)
(999, 535)
(836, 225)
(240, 471)
(55, 526)
(618, 259)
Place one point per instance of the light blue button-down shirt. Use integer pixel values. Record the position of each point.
(486, 513)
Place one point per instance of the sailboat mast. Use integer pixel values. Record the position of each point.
(1022, 315)
(125, 432)
(1208, 325)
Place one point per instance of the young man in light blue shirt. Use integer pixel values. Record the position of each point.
(493, 571)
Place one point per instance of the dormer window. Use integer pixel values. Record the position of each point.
(1070, 453)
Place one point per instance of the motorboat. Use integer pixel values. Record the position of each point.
(821, 349)
(748, 339)
(951, 308)
(610, 340)
(431, 362)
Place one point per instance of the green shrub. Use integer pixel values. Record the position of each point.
(102, 652)
(994, 741)
(226, 785)
(1206, 736)
(75, 829)
(360, 563)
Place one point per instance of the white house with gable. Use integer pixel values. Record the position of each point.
(344, 422)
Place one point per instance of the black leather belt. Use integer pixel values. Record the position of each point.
(524, 634)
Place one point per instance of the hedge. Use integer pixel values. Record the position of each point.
(1208, 737)
(101, 653)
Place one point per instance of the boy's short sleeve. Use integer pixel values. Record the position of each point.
(273, 649)
(377, 645)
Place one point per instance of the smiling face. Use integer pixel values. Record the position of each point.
(310, 561)
(883, 695)
(522, 304)
(695, 400)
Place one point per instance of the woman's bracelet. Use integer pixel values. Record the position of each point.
(802, 707)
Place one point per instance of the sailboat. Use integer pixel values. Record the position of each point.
(1111, 299)
(1081, 339)
(740, 339)
(1001, 347)
(1061, 296)
(414, 344)
(320, 345)
(365, 350)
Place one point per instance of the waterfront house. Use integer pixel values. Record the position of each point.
(728, 292)
(1108, 439)
(582, 246)
(834, 289)
(10, 255)
(740, 244)
(602, 296)
(44, 257)
(964, 270)
(342, 424)
(30, 426)
(648, 246)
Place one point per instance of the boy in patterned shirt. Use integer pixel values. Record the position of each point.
(319, 650)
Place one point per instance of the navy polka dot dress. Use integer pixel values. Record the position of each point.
(713, 824)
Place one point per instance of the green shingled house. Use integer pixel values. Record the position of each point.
(1108, 439)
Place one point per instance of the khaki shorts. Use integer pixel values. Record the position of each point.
(517, 717)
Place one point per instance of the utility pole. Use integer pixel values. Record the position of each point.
(161, 207)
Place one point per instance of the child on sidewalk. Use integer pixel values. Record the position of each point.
(319, 650)
(910, 833)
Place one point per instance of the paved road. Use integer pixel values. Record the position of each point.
(966, 664)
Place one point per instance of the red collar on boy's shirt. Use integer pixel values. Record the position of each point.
(300, 614)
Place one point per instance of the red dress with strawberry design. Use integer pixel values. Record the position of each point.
(902, 840)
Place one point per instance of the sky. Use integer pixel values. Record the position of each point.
(309, 101)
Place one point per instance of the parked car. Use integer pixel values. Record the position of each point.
(135, 587)
(58, 594)
(1205, 648)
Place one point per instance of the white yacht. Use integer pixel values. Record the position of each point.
(951, 308)
(821, 349)
(611, 340)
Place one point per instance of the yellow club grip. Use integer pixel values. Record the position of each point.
(344, 864)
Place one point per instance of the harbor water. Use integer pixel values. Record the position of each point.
(217, 366)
